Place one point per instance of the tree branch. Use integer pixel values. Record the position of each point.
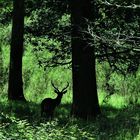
(133, 6)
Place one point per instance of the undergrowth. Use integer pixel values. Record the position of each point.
(22, 121)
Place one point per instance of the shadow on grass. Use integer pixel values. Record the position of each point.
(119, 123)
(113, 124)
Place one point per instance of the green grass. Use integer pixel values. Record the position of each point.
(22, 121)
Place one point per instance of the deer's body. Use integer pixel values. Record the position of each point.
(48, 105)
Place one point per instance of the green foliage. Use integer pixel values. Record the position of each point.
(47, 41)
(115, 33)
(5, 11)
(23, 121)
(50, 30)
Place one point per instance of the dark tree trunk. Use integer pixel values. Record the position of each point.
(15, 89)
(85, 99)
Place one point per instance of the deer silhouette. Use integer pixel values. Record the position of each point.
(48, 105)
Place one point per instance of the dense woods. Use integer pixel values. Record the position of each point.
(75, 64)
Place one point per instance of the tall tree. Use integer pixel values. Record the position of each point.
(15, 89)
(85, 99)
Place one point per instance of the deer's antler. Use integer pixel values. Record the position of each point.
(65, 87)
(54, 87)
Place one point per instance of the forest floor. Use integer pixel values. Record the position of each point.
(22, 121)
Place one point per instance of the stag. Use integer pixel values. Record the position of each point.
(48, 105)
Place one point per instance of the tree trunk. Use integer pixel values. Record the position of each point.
(15, 89)
(85, 99)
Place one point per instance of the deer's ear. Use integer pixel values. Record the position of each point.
(64, 91)
(56, 91)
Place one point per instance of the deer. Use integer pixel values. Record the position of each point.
(48, 105)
